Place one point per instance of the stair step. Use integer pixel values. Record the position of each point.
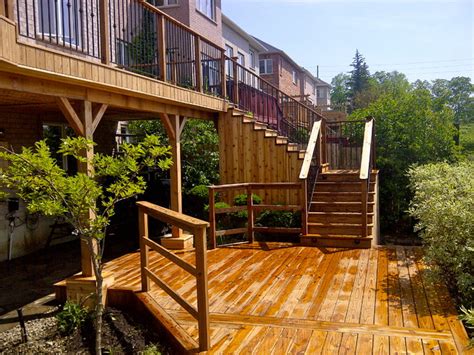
(292, 147)
(280, 140)
(338, 217)
(340, 196)
(336, 241)
(344, 176)
(340, 207)
(259, 126)
(338, 229)
(270, 133)
(301, 154)
(340, 186)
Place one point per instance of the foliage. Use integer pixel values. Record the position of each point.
(409, 131)
(241, 200)
(467, 315)
(467, 140)
(340, 91)
(71, 317)
(84, 200)
(443, 205)
(198, 198)
(359, 80)
(200, 191)
(199, 149)
(286, 219)
(151, 349)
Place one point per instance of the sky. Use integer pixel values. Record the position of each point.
(424, 39)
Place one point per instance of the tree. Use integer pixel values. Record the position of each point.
(339, 92)
(86, 201)
(359, 80)
(410, 130)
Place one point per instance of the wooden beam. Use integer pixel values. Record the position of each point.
(168, 126)
(3, 8)
(97, 115)
(71, 115)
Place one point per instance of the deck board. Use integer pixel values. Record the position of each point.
(282, 298)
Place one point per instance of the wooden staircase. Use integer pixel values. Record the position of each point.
(335, 213)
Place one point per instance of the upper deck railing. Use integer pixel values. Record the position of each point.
(139, 37)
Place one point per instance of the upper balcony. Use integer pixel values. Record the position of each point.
(108, 49)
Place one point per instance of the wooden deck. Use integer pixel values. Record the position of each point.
(282, 298)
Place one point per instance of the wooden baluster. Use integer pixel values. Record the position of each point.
(197, 55)
(250, 220)
(202, 288)
(161, 45)
(144, 258)
(104, 31)
(212, 218)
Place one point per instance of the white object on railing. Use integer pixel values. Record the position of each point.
(366, 150)
(313, 139)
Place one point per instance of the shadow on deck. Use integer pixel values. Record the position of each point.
(284, 298)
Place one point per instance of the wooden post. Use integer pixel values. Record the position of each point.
(223, 76)
(175, 172)
(304, 207)
(7, 6)
(144, 249)
(250, 220)
(3, 8)
(364, 194)
(161, 45)
(323, 142)
(197, 54)
(104, 32)
(235, 73)
(202, 288)
(212, 218)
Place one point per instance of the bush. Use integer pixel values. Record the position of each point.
(468, 317)
(285, 219)
(443, 205)
(241, 200)
(72, 317)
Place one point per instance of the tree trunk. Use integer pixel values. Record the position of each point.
(99, 307)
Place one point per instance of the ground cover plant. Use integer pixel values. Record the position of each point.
(86, 201)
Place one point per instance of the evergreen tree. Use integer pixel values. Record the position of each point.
(359, 80)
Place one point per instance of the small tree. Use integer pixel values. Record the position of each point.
(86, 201)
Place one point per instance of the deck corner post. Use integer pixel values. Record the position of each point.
(250, 220)
(197, 49)
(202, 288)
(161, 46)
(104, 32)
(364, 196)
(212, 218)
(235, 73)
(223, 75)
(144, 257)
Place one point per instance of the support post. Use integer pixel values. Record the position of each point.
(197, 55)
(144, 249)
(212, 218)
(104, 31)
(250, 222)
(223, 76)
(202, 288)
(161, 45)
(3, 8)
(235, 73)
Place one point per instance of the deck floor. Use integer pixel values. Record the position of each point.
(280, 298)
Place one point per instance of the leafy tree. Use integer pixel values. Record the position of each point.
(86, 201)
(409, 131)
(199, 149)
(391, 82)
(359, 80)
(339, 91)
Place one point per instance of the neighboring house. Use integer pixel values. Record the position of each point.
(239, 44)
(202, 16)
(281, 70)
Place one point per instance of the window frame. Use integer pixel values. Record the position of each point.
(252, 63)
(265, 66)
(294, 77)
(200, 8)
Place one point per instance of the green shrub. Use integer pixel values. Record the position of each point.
(241, 200)
(468, 317)
(285, 219)
(443, 206)
(71, 317)
(200, 191)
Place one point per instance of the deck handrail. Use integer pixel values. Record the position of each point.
(251, 208)
(366, 164)
(310, 150)
(198, 229)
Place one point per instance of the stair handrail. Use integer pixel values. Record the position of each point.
(309, 171)
(366, 164)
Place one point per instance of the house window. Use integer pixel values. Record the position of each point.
(241, 61)
(229, 52)
(207, 7)
(252, 59)
(295, 78)
(60, 19)
(53, 133)
(164, 2)
(318, 95)
(266, 66)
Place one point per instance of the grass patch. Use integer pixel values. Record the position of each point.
(467, 140)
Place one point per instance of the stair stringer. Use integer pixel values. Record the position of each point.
(251, 152)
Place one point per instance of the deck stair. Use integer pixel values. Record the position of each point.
(335, 213)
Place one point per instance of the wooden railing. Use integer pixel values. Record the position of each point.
(268, 104)
(366, 166)
(251, 209)
(132, 34)
(310, 169)
(198, 229)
